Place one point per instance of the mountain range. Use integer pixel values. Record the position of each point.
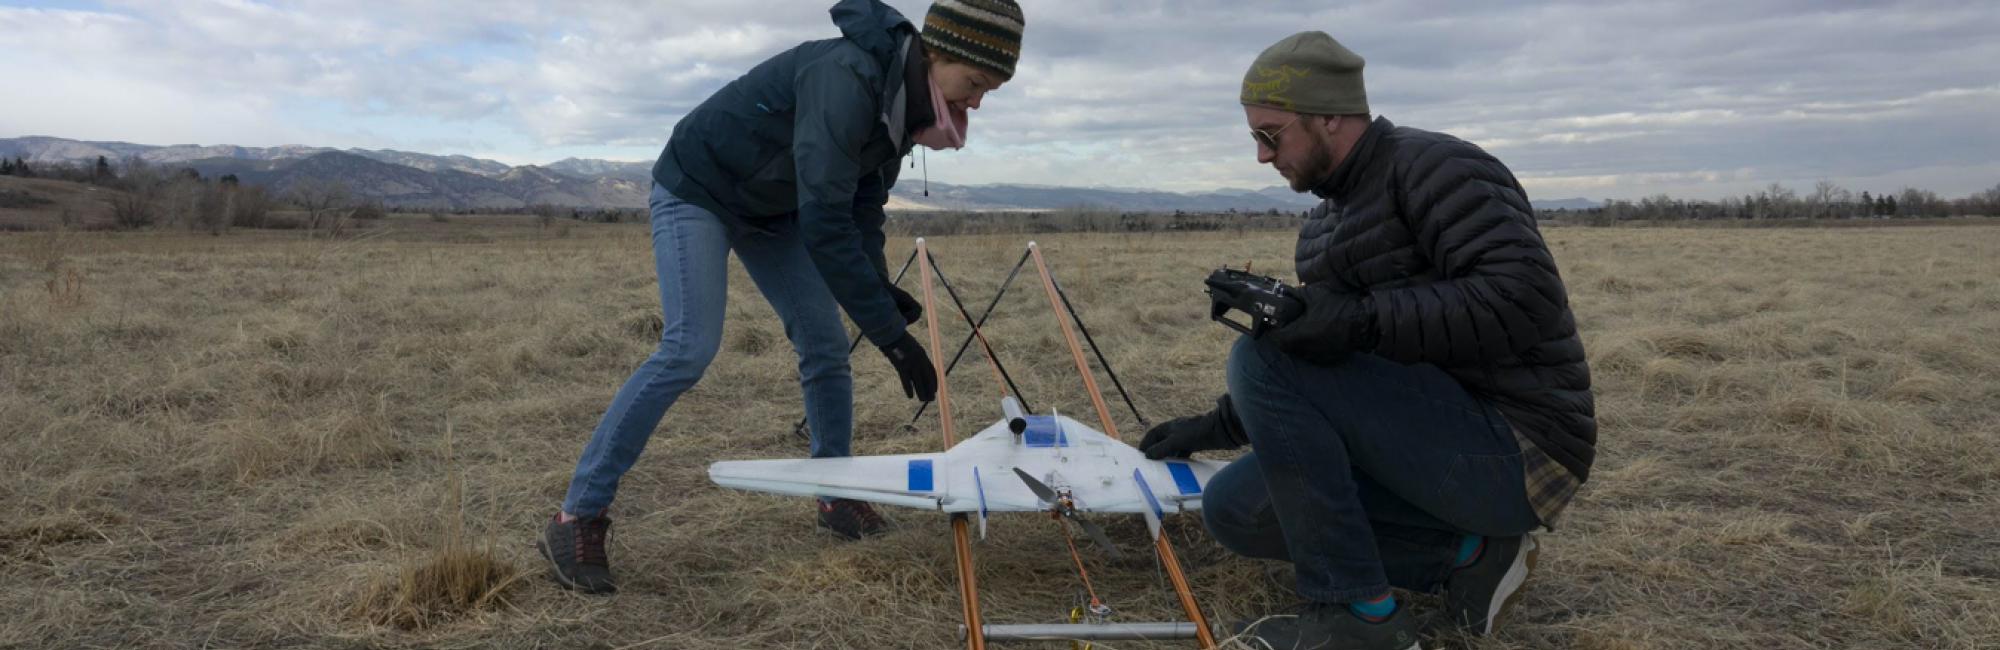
(417, 181)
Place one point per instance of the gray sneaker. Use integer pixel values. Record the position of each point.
(1328, 626)
(575, 550)
(1476, 596)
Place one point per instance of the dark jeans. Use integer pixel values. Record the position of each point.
(1363, 474)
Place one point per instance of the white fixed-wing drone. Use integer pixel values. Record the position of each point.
(1021, 463)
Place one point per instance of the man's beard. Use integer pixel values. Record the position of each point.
(1313, 171)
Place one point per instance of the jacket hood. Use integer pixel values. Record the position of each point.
(872, 25)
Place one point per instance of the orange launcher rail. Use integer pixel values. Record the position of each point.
(961, 542)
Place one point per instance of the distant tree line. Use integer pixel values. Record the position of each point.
(99, 173)
(1085, 218)
(180, 197)
(1074, 218)
(156, 195)
(152, 196)
(1828, 200)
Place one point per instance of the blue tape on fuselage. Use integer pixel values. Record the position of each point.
(1184, 478)
(920, 476)
(1044, 431)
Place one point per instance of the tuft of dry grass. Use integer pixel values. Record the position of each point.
(230, 443)
(442, 586)
(457, 577)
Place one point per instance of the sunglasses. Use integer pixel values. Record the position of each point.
(1270, 139)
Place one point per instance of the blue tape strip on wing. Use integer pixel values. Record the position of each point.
(981, 489)
(920, 476)
(1043, 432)
(1147, 490)
(1184, 478)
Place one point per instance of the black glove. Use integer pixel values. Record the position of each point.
(913, 366)
(1333, 326)
(906, 304)
(1181, 436)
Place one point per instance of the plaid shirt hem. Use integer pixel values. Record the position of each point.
(1550, 485)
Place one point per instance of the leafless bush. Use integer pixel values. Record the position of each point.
(545, 214)
(250, 206)
(212, 205)
(369, 211)
(139, 206)
(48, 251)
(320, 198)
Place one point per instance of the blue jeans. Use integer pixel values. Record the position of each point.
(1364, 474)
(691, 257)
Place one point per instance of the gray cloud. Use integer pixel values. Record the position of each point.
(1597, 99)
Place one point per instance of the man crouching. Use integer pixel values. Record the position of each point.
(1428, 407)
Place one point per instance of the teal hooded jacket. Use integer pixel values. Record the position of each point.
(816, 134)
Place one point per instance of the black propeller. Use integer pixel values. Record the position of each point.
(1062, 506)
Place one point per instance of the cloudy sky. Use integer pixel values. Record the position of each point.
(1596, 99)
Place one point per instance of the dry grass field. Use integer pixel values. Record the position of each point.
(263, 441)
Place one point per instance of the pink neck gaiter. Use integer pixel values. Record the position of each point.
(948, 131)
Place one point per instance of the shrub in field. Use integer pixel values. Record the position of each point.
(250, 207)
(135, 209)
(21, 199)
(369, 211)
(321, 198)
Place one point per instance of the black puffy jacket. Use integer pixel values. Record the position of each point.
(1442, 237)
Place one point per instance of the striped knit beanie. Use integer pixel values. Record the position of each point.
(983, 33)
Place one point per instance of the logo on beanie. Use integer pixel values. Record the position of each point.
(1272, 89)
